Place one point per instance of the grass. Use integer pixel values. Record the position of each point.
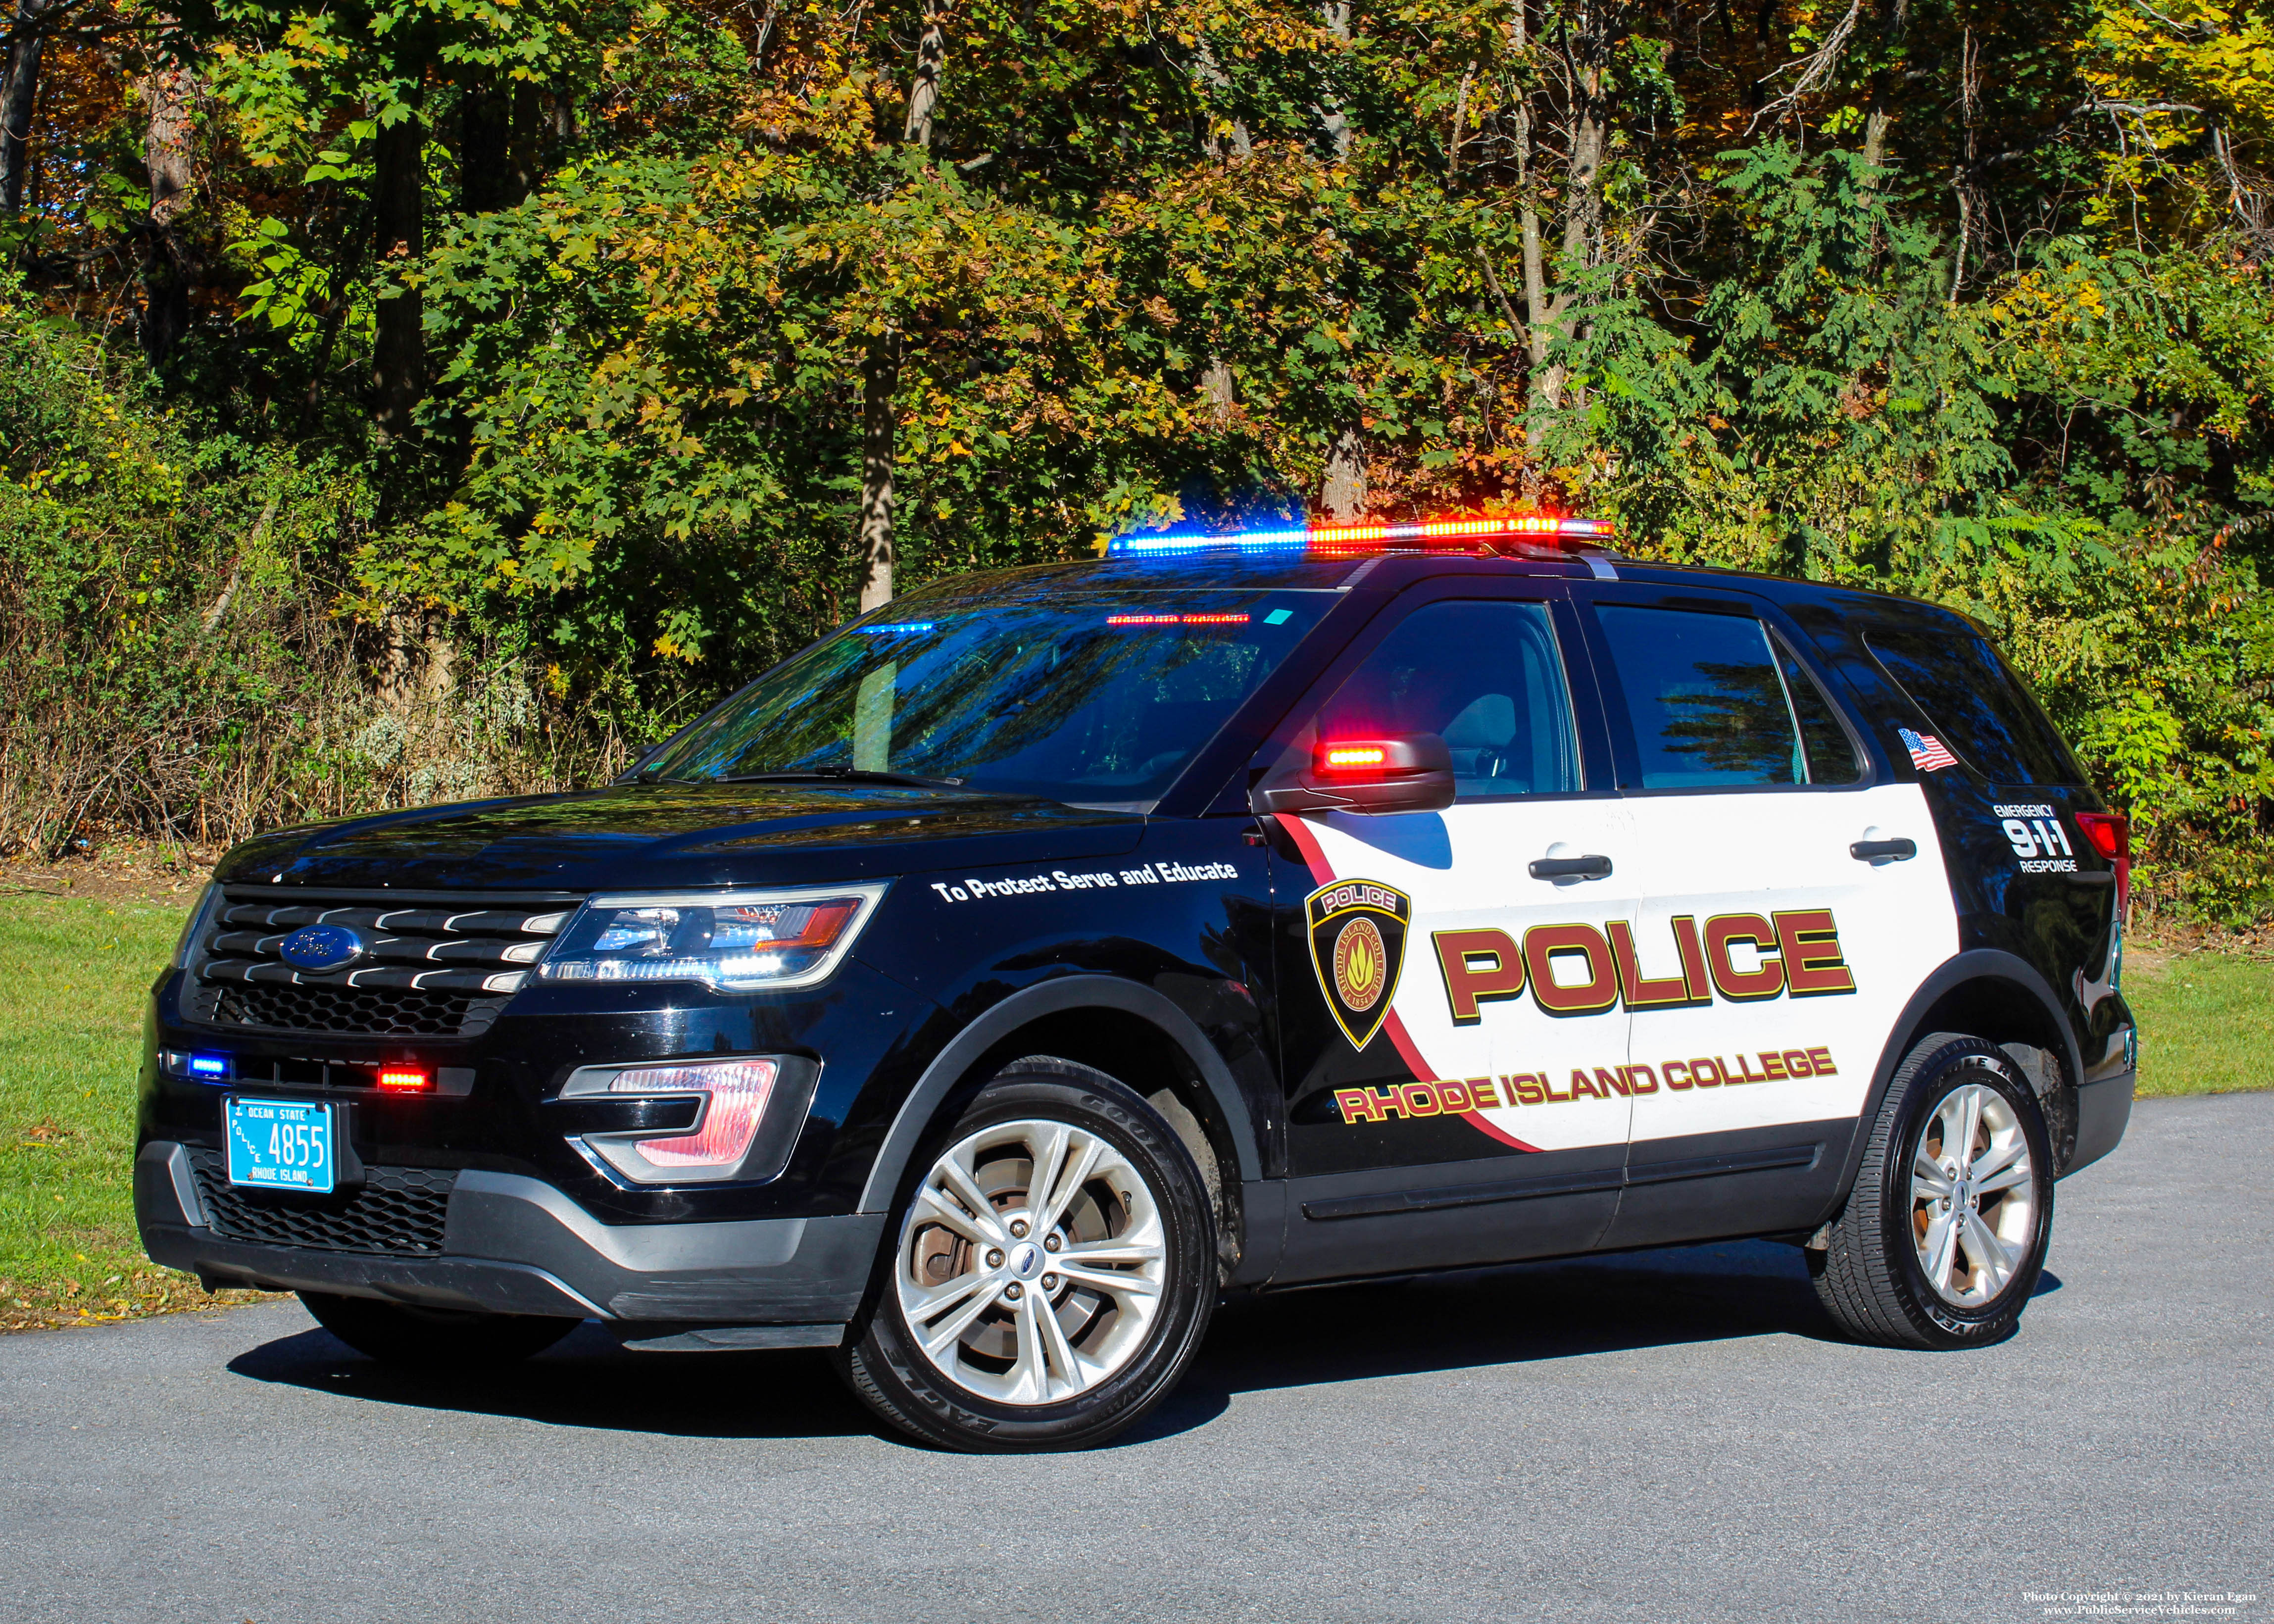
(74, 974)
(2206, 1020)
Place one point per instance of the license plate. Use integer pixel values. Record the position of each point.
(280, 1144)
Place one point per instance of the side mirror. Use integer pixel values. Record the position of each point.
(1398, 773)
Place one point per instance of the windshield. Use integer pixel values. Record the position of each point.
(1097, 699)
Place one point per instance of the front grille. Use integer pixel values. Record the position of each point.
(399, 1211)
(431, 967)
(385, 1011)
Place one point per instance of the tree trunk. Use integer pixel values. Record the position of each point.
(1585, 51)
(1233, 140)
(1535, 269)
(418, 659)
(1335, 15)
(880, 367)
(399, 207)
(1896, 18)
(923, 94)
(880, 378)
(167, 263)
(526, 155)
(19, 91)
(1343, 492)
(486, 180)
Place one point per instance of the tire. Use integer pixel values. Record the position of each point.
(1912, 1222)
(434, 1338)
(976, 1340)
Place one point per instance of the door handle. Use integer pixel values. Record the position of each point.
(1594, 865)
(1873, 851)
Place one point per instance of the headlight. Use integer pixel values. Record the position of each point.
(728, 941)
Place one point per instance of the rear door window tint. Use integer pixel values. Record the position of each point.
(1707, 702)
(1830, 751)
(1978, 707)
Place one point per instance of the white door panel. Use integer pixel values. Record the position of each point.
(1540, 1069)
(1777, 961)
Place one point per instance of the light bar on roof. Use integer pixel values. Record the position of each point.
(1369, 538)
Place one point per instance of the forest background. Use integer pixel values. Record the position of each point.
(410, 399)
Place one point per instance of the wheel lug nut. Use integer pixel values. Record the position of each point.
(1052, 1243)
(1014, 1291)
(1019, 1229)
(1050, 1283)
(995, 1259)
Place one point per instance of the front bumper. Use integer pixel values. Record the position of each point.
(512, 1245)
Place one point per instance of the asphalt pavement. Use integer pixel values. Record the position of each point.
(1661, 1436)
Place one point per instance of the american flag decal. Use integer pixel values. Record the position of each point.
(1927, 752)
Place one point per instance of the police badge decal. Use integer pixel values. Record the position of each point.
(1357, 946)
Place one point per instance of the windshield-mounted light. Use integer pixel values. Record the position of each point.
(741, 941)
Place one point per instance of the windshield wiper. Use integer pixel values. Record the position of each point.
(835, 775)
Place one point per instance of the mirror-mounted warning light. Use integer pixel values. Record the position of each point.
(1399, 772)
(1336, 759)
(1462, 534)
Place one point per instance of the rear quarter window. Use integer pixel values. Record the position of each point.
(1976, 704)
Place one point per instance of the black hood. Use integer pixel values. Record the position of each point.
(650, 836)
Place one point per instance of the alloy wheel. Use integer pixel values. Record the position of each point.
(1973, 1195)
(1032, 1263)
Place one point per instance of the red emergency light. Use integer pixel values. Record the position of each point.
(403, 1079)
(1538, 529)
(2111, 835)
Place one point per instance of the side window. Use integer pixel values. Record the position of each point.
(1706, 698)
(1830, 750)
(1978, 707)
(1487, 678)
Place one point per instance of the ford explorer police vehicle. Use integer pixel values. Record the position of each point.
(985, 990)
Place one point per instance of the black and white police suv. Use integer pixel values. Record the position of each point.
(984, 990)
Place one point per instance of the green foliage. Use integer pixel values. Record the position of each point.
(1978, 312)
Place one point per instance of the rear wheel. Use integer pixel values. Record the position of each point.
(1944, 1233)
(1052, 1274)
(397, 1334)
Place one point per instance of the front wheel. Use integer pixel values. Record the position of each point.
(1944, 1236)
(1052, 1274)
(434, 1338)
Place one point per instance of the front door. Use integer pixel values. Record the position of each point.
(1452, 1035)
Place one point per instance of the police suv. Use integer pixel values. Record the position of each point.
(984, 990)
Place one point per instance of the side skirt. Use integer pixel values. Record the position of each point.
(1710, 1186)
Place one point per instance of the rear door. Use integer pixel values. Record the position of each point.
(1792, 900)
(1452, 1037)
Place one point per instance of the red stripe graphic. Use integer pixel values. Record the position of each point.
(1322, 872)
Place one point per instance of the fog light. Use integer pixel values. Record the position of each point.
(735, 1093)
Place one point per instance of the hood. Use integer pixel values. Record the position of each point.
(645, 837)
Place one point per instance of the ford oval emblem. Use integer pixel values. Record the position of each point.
(321, 947)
